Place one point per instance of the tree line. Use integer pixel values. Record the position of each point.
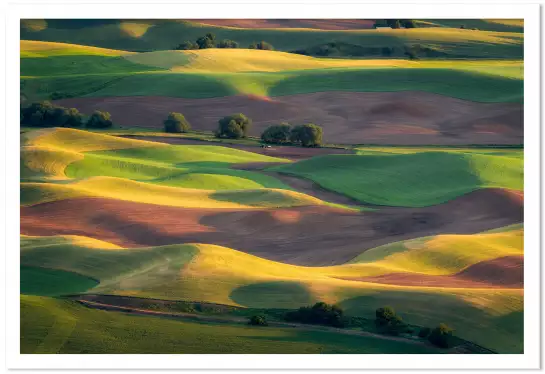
(237, 126)
(209, 41)
(386, 322)
(46, 114)
(234, 126)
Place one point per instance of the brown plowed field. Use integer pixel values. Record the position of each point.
(504, 272)
(320, 24)
(313, 236)
(401, 118)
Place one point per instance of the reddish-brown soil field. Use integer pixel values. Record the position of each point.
(321, 24)
(504, 272)
(400, 118)
(313, 236)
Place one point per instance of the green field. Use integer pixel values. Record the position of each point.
(52, 282)
(208, 74)
(165, 34)
(421, 178)
(58, 326)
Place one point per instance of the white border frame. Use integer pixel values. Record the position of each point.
(245, 9)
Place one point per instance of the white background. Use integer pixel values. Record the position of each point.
(281, 9)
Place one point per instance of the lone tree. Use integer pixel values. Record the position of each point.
(235, 126)
(226, 43)
(277, 134)
(176, 123)
(441, 336)
(258, 320)
(309, 135)
(261, 45)
(99, 120)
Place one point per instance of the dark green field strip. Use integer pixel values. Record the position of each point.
(52, 282)
(458, 84)
(61, 326)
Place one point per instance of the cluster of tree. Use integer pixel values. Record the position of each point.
(388, 322)
(308, 135)
(261, 45)
(396, 23)
(176, 123)
(46, 114)
(207, 41)
(318, 314)
(441, 336)
(235, 126)
(258, 320)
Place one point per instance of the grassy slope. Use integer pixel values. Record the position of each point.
(222, 275)
(413, 179)
(209, 73)
(502, 25)
(161, 35)
(98, 165)
(59, 326)
(52, 282)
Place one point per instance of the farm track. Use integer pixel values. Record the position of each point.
(290, 152)
(231, 320)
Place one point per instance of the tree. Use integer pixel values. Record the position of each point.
(319, 314)
(441, 336)
(424, 332)
(387, 51)
(45, 114)
(409, 24)
(207, 41)
(99, 120)
(277, 134)
(226, 43)
(187, 45)
(258, 320)
(235, 126)
(176, 123)
(309, 135)
(388, 321)
(261, 45)
(73, 118)
(396, 24)
(383, 315)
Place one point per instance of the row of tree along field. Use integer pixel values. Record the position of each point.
(234, 126)
(386, 322)
(209, 41)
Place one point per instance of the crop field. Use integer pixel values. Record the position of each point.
(155, 219)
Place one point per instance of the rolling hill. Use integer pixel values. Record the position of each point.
(222, 275)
